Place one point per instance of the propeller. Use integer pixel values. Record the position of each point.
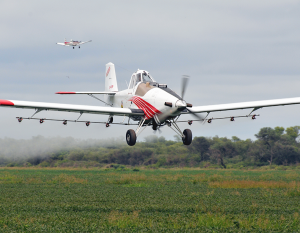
(160, 118)
(184, 82)
(180, 105)
(158, 129)
(198, 116)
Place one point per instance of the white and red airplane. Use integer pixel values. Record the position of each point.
(145, 101)
(73, 43)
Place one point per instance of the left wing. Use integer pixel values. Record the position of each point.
(85, 42)
(62, 44)
(72, 108)
(243, 105)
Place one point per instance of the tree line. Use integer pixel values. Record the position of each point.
(273, 146)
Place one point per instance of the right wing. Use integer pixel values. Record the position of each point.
(72, 108)
(85, 42)
(62, 44)
(244, 105)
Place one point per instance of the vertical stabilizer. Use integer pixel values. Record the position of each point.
(110, 78)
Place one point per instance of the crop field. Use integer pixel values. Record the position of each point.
(163, 200)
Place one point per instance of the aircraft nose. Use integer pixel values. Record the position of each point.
(180, 104)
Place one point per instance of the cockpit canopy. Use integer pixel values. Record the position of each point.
(140, 76)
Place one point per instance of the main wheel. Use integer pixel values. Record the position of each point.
(187, 139)
(130, 137)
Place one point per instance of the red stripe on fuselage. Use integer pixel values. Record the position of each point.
(145, 109)
(149, 110)
(6, 103)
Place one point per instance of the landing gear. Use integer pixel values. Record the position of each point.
(186, 135)
(187, 139)
(73, 47)
(154, 125)
(79, 47)
(130, 137)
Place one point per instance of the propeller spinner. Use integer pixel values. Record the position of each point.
(180, 105)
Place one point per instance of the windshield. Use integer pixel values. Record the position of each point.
(147, 78)
(138, 78)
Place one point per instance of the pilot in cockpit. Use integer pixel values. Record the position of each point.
(138, 78)
(146, 77)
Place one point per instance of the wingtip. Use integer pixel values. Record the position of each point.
(65, 92)
(6, 103)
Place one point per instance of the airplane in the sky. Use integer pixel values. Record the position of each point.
(73, 43)
(147, 103)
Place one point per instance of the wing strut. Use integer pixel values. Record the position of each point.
(99, 99)
(37, 111)
(204, 119)
(254, 109)
(79, 116)
(141, 123)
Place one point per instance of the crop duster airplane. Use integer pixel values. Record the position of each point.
(147, 103)
(73, 43)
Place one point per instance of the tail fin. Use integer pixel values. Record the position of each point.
(110, 78)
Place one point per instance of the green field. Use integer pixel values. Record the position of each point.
(177, 200)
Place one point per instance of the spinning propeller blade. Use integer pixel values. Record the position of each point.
(160, 118)
(163, 116)
(184, 82)
(198, 116)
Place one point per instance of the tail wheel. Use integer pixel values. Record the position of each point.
(154, 125)
(187, 139)
(130, 137)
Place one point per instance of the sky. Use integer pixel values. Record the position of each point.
(233, 51)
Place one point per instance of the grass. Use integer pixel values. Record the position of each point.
(174, 200)
(250, 184)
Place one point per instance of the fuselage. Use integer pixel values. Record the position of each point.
(72, 43)
(150, 98)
